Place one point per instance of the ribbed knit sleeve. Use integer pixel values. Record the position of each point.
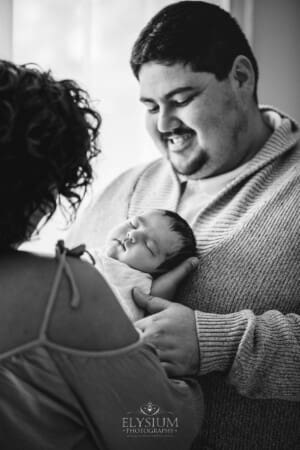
(219, 337)
(261, 353)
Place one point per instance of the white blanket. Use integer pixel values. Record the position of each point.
(122, 279)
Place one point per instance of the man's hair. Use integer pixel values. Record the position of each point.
(186, 240)
(193, 33)
(48, 136)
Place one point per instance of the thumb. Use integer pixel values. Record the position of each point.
(149, 303)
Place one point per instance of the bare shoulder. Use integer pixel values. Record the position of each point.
(26, 282)
(99, 322)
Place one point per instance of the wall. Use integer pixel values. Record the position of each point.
(276, 43)
(5, 29)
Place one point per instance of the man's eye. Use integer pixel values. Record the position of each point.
(183, 102)
(152, 109)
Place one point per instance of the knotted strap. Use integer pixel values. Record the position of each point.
(61, 253)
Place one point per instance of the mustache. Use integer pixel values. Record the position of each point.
(176, 132)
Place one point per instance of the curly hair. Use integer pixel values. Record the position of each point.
(48, 136)
(197, 33)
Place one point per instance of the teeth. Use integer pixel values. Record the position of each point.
(177, 139)
(176, 142)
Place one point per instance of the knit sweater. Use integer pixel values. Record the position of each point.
(245, 291)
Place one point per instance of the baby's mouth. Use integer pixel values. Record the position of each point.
(121, 243)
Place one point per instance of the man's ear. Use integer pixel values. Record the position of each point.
(242, 74)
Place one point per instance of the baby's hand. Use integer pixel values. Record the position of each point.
(166, 285)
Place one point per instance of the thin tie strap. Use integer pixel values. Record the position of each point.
(60, 253)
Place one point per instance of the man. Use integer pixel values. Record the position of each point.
(232, 169)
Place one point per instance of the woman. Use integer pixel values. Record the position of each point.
(74, 373)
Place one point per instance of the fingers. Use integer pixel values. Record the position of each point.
(149, 303)
(142, 325)
(164, 353)
(181, 271)
(169, 368)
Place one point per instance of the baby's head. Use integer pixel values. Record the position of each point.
(154, 242)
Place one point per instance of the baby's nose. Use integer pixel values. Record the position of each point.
(130, 237)
(133, 236)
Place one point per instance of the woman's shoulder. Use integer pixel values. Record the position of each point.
(96, 322)
(25, 280)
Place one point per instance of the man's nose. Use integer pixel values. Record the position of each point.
(166, 121)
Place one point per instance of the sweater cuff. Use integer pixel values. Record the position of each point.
(219, 336)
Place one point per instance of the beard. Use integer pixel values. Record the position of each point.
(190, 167)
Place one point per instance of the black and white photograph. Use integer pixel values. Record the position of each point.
(150, 225)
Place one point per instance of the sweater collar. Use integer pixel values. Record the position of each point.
(284, 137)
(277, 121)
(159, 187)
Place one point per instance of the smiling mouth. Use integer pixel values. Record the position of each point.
(179, 142)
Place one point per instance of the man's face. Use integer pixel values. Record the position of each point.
(199, 123)
(143, 242)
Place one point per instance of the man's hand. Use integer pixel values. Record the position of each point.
(166, 285)
(171, 329)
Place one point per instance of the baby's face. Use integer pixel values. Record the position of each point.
(143, 242)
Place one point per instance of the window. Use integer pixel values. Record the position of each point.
(90, 41)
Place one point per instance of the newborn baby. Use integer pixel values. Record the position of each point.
(142, 248)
